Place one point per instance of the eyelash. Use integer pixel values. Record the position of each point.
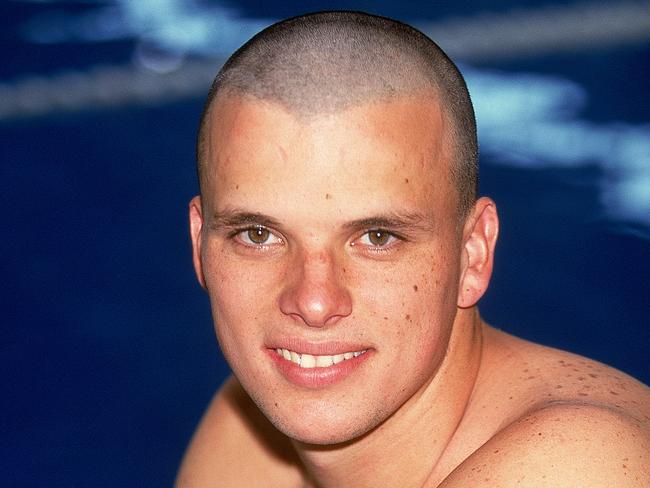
(256, 246)
(393, 239)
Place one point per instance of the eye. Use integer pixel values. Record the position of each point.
(258, 236)
(377, 238)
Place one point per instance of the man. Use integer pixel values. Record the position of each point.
(343, 248)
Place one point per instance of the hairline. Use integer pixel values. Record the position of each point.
(446, 85)
(433, 93)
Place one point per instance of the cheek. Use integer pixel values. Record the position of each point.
(411, 301)
(242, 295)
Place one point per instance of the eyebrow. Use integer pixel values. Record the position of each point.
(392, 221)
(389, 221)
(234, 219)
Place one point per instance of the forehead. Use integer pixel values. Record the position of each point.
(372, 157)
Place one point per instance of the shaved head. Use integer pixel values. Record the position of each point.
(331, 61)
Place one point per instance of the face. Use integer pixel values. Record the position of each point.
(330, 252)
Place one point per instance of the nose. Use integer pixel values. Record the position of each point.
(315, 293)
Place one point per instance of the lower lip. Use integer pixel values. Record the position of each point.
(317, 377)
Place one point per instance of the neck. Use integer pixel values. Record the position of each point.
(406, 448)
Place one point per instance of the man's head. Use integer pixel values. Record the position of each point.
(330, 61)
(328, 226)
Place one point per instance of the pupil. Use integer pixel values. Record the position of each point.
(378, 237)
(259, 235)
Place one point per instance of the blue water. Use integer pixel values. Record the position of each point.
(107, 350)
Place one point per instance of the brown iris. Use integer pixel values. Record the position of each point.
(258, 235)
(378, 237)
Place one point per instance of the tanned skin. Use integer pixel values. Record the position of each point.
(441, 399)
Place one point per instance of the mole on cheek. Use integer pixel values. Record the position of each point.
(415, 287)
(283, 153)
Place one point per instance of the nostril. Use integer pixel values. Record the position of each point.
(316, 306)
(314, 293)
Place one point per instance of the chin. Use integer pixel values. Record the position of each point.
(323, 430)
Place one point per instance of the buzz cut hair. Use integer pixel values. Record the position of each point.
(327, 62)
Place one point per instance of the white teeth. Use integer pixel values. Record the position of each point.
(324, 361)
(307, 361)
(311, 361)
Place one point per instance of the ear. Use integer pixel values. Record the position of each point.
(479, 240)
(196, 224)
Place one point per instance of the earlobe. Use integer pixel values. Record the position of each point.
(479, 240)
(196, 225)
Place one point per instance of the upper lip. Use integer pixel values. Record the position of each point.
(330, 348)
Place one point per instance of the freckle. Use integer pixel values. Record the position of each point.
(406, 180)
(385, 318)
(581, 378)
(236, 187)
(327, 196)
(510, 398)
(276, 404)
(539, 433)
(495, 451)
(531, 378)
(415, 287)
(526, 370)
(408, 317)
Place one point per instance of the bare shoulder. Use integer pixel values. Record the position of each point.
(537, 376)
(552, 418)
(235, 442)
(561, 445)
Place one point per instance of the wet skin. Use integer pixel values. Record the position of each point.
(341, 233)
(317, 192)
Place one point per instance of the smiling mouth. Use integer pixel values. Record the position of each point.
(312, 361)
